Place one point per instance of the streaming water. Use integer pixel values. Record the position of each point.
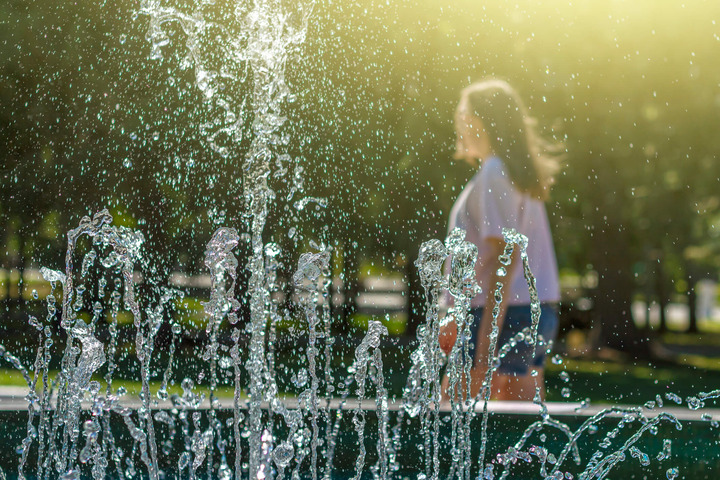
(462, 286)
(422, 394)
(73, 422)
(69, 419)
(310, 268)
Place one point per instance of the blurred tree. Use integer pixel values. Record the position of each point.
(88, 121)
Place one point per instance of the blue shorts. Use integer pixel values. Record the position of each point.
(521, 356)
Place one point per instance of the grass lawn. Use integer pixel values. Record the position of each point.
(600, 381)
(9, 377)
(635, 384)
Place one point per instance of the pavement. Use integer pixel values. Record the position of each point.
(13, 399)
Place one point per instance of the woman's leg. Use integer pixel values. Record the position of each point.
(477, 377)
(504, 387)
(511, 386)
(519, 387)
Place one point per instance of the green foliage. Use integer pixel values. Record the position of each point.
(190, 312)
(395, 323)
(634, 384)
(88, 121)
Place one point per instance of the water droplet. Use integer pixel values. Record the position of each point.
(666, 451)
(695, 403)
(272, 250)
(283, 454)
(34, 322)
(52, 275)
(70, 475)
(127, 163)
(122, 38)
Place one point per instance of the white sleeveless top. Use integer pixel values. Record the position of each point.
(489, 203)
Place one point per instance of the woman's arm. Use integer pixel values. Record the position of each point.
(448, 335)
(448, 332)
(497, 248)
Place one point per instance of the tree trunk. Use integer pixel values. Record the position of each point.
(617, 330)
(350, 283)
(336, 310)
(663, 304)
(415, 296)
(21, 269)
(649, 294)
(663, 296)
(692, 304)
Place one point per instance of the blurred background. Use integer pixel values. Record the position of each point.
(88, 120)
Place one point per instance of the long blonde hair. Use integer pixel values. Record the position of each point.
(531, 161)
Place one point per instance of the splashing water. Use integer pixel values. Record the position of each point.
(266, 33)
(72, 428)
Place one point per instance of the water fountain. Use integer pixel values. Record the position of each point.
(79, 425)
(75, 425)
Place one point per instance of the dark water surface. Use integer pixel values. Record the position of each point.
(695, 449)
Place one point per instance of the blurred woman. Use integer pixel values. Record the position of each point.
(515, 169)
